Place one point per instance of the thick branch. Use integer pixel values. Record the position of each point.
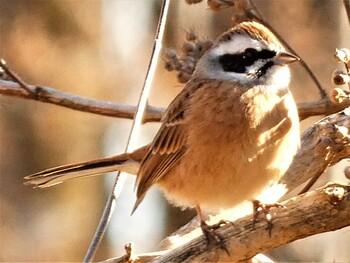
(322, 145)
(325, 209)
(68, 100)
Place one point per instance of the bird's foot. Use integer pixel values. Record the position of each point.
(264, 209)
(211, 236)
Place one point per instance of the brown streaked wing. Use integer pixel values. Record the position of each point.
(168, 146)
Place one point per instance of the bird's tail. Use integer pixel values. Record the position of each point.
(126, 162)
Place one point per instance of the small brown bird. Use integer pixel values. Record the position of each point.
(230, 132)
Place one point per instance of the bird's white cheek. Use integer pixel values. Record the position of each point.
(281, 76)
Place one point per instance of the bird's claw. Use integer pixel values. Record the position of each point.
(212, 236)
(264, 209)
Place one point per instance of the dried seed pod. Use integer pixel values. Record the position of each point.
(342, 55)
(170, 54)
(341, 79)
(205, 45)
(188, 66)
(337, 95)
(191, 35)
(169, 66)
(192, 50)
(188, 47)
(190, 60)
(183, 77)
(178, 65)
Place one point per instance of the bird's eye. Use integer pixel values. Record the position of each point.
(250, 53)
(249, 56)
(232, 63)
(265, 53)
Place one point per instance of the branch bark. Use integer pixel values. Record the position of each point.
(320, 107)
(325, 209)
(71, 101)
(322, 145)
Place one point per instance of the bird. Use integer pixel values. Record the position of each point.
(230, 132)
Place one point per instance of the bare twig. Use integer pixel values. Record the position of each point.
(347, 8)
(306, 215)
(312, 181)
(320, 107)
(16, 78)
(255, 9)
(141, 107)
(71, 101)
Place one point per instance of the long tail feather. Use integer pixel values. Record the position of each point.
(125, 162)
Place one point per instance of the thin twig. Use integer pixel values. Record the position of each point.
(255, 9)
(320, 107)
(72, 101)
(109, 208)
(322, 91)
(16, 78)
(309, 184)
(347, 8)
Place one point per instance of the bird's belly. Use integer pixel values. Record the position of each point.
(220, 176)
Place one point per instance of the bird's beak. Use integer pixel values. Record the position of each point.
(284, 58)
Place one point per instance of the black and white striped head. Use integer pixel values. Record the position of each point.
(248, 54)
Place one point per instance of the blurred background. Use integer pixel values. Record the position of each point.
(100, 49)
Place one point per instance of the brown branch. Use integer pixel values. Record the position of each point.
(323, 210)
(320, 107)
(16, 78)
(68, 100)
(153, 114)
(322, 145)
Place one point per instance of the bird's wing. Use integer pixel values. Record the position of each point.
(168, 146)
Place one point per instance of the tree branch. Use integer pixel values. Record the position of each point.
(71, 101)
(320, 107)
(322, 145)
(347, 8)
(325, 209)
(112, 109)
